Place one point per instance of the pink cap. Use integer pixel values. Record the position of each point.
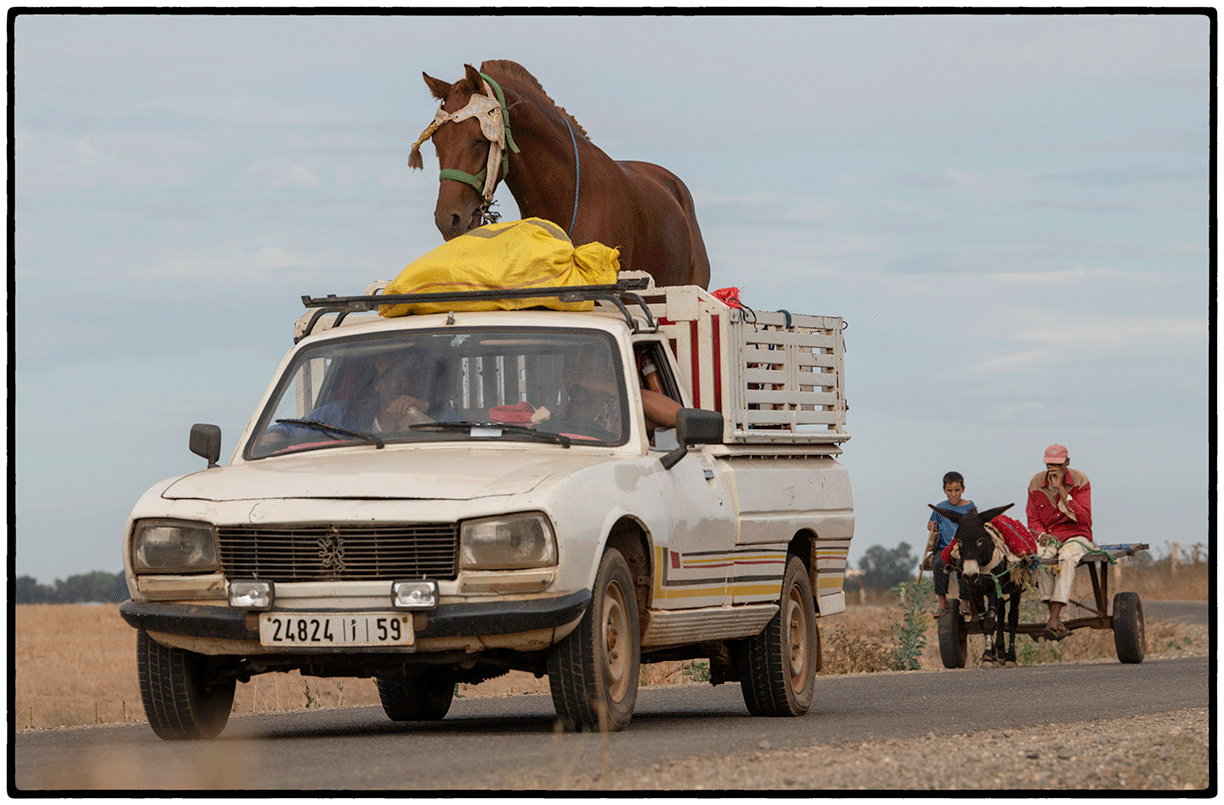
(1056, 454)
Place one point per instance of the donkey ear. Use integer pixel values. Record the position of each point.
(951, 515)
(438, 88)
(990, 514)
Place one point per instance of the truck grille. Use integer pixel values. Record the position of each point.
(344, 552)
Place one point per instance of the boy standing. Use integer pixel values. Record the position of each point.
(942, 530)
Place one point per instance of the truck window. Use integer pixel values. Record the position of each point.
(336, 391)
(655, 376)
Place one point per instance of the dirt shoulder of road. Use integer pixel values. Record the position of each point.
(1159, 752)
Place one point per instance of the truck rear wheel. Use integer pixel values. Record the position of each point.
(414, 698)
(593, 672)
(1128, 627)
(181, 699)
(953, 637)
(778, 666)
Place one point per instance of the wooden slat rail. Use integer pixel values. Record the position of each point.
(1113, 551)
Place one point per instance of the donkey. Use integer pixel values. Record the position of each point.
(989, 585)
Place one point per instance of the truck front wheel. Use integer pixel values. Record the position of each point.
(414, 698)
(182, 700)
(593, 672)
(778, 666)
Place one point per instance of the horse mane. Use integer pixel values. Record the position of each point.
(504, 68)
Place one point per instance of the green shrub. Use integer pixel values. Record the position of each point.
(910, 633)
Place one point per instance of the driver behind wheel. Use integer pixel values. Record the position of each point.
(408, 386)
(594, 395)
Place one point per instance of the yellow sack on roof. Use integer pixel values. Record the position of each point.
(532, 253)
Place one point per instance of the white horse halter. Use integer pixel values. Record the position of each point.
(490, 112)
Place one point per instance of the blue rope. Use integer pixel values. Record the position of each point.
(577, 178)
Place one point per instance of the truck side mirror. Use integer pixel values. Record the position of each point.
(206, 442)
(694, 426)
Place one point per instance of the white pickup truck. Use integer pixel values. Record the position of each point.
(442, 498)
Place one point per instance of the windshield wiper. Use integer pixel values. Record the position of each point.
(315, 424)
(515, 430)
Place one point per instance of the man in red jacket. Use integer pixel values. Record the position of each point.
(1060, 509)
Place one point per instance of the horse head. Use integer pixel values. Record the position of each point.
(471, 136)
(976, 545)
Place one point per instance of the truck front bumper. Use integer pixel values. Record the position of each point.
(479, 620)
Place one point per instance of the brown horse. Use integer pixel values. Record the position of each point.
(497, 123)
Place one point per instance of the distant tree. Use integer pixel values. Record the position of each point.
(29, 591)
(99, 586)
(884, 569)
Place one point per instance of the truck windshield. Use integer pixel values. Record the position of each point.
(431, 385)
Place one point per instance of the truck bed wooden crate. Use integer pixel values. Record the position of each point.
(776, 377)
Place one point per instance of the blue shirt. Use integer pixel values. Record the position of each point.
(947, 528)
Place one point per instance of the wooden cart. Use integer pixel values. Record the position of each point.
(1125, 618)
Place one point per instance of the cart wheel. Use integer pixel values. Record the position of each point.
(953, 638)
(1128, 627)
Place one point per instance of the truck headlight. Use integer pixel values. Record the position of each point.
(174, 546)
(507, 543)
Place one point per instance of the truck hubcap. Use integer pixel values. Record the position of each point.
(615, 624)
(797, 629)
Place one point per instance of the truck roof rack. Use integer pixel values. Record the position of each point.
(616, 294)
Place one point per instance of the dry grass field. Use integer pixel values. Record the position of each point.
(76, 664)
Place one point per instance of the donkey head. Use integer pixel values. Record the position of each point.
(976, 545)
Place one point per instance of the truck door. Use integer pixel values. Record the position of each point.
(694, 560)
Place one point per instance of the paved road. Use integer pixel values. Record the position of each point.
(1191, 612)
(484, 743)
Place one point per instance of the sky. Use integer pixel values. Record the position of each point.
(1010, 211)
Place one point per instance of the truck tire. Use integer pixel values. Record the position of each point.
(778, 666)
(414, 698)
(593, 672)
(953, 637)
(1128, 627)
(180, 700)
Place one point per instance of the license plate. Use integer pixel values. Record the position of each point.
(311, 630)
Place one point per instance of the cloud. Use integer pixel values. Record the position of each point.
(941, 262)
(279, 172)
(1016, 360)
(50, 161)
(1131, 175)
(991, 185)
(1090, 333)
(1060, 276)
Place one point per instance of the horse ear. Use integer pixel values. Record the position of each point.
(473, 75)
(438, 88)
(951, 515)
(990, 514)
